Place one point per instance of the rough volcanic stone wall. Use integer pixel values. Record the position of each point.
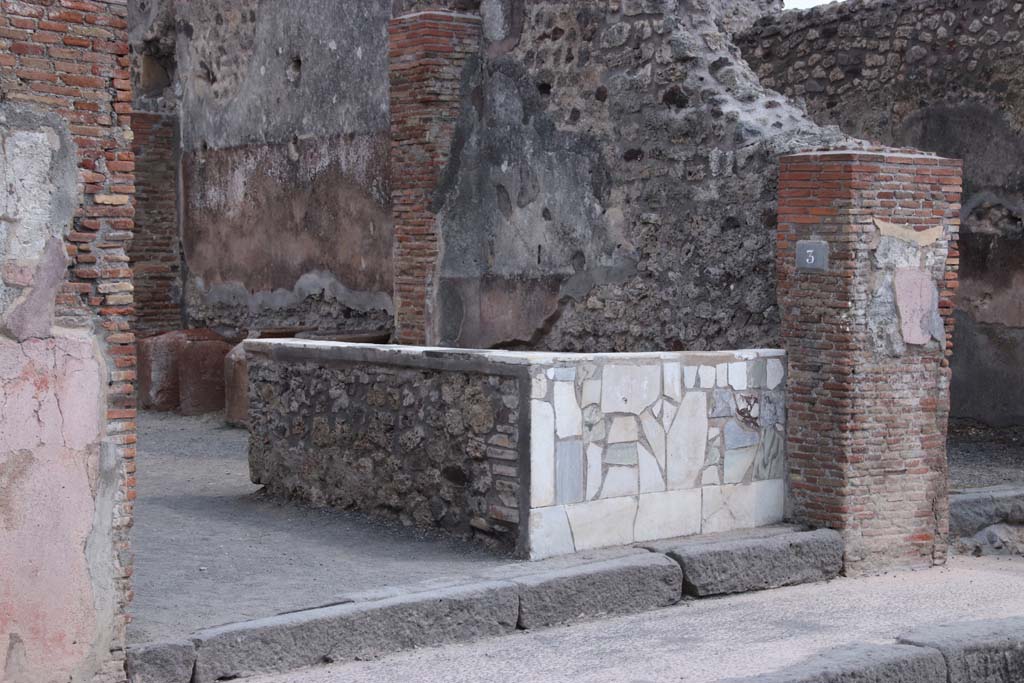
(866, 333)
(945, 76)
(67, 362)
(285, 164)
(612, 183)
(431, 446)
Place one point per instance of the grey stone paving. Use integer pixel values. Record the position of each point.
(711, 639)
(210, 549)
(981, 456)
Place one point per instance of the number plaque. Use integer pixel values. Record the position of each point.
(812, 255)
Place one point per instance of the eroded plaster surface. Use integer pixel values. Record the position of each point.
(57, 594)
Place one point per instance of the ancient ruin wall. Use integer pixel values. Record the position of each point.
(67, 353)
(285, 173)
(433, 442)
(156, 248)
(945, 76)
(612, 183)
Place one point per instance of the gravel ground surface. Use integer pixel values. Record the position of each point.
(985, 456)
(210, 549)
(711, 639)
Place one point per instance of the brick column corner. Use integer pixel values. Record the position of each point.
(427, 53)
(867, 266)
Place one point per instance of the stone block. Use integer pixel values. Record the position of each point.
(201, 376)
(550, 535)
(756, 563)
(971, 512)
(158, 358)
(626, 585)
(236, 387)
(602, 523)
(169, 662)
(862, 664)
(356, 630)
(991, 650)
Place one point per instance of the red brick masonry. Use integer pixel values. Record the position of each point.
(428, 51)
(867, 426)
(155, 248)
(70, 57)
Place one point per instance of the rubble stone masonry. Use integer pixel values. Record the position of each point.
(868, 339)
(945, 76)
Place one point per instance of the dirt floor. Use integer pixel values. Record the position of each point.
(985, 456)
(210, 549)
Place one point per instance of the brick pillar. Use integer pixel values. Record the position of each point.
(428, 51)
(867, 338)
(155, 250)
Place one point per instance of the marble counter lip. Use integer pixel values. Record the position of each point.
(397, 354)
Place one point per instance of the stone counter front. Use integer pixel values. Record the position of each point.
(545, 454)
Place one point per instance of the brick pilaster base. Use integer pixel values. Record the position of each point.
(867, 339)
(427, 52)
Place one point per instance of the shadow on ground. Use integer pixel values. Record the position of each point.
(211, 549)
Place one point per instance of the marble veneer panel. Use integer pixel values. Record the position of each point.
(639, 447)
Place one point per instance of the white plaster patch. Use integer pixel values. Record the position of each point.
(602, 523)
(630, 388)
(655, 434)
(542, 454)
(687, 440)
(623, 429)
(550, 534)
(673, 381)
(651, 478)
(738, 376)
(539, 386)
(769, 501)
(568, 417)
(594, 470)
(776, 373)
(668, 515)
(706, 373)
(620, 481)
(725, 508)
(737, 463)
(689, 377)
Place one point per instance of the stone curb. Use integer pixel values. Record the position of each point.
(990, 651)
(384, 621)
(739, 566)
(636, 583)
(972, 511)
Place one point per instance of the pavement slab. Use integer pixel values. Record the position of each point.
(210, 549)
(715, 638)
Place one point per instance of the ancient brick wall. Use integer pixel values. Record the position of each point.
(611, 185)
(65, 86)
(155, 249)
(867, 337)
(427, 54)
(943, 76)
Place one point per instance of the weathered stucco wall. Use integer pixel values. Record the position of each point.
(612, 183)
(58, 599)
(285, 173)
(946, 76)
